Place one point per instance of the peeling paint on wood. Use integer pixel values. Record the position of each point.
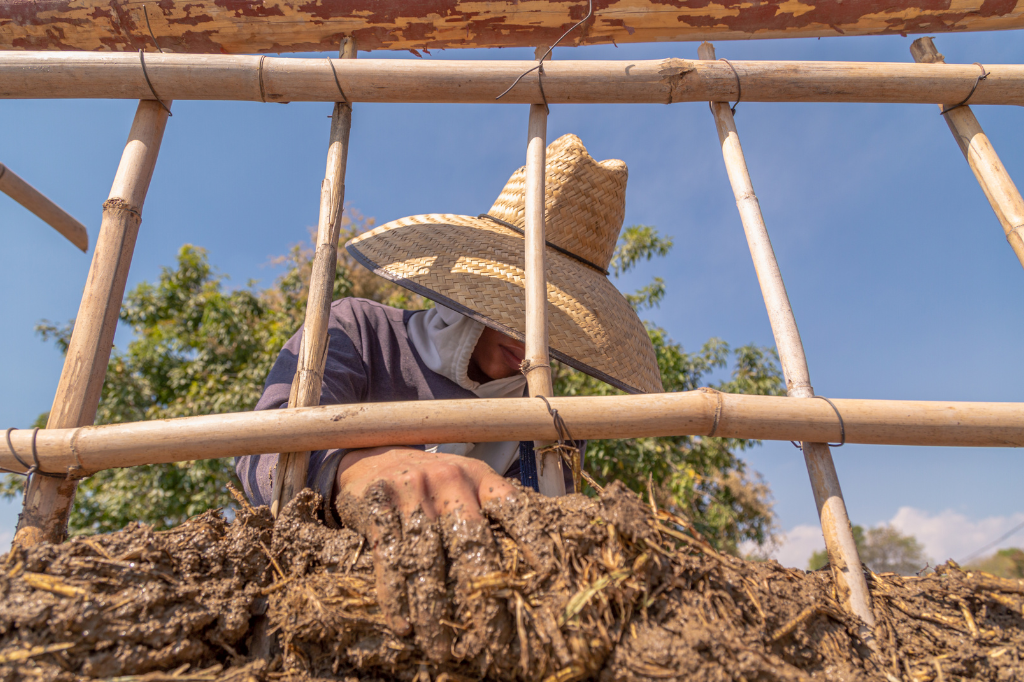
(264, 26)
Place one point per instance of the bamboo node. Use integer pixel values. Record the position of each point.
(718, 409)
(119, 204)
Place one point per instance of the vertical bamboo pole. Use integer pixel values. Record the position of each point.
(293, 467)
(538, 375)
(981, 156)
(48, 499)
(835, 524)
(50, 213)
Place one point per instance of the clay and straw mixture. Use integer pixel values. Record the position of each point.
(602, 588)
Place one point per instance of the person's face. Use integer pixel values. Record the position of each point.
(496, 356)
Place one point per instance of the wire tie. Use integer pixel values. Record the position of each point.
(983, 76)
(263, 91)
(540, 62)
(739, 88)
(34, 468)
(150, 27)
(142, 60)
(10, 447)
(566, 444)
(336, 81)
(526, 367)
(842, 427)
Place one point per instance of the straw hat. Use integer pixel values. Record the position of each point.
(475, 265)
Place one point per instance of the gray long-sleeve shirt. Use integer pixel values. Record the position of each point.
(369, 360)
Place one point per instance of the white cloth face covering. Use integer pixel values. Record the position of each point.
(445, 341)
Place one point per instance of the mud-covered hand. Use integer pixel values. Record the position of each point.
(415, 508)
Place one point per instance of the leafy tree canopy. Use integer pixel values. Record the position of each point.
(884, 550)
(1006, 563)
(200, 348)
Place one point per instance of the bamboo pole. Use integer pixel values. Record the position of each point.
(293, 467)
(48, 499)
(538, 367)
(835, 524)
(55, 75)
(50, 213)
(997, 184)
(693, 413)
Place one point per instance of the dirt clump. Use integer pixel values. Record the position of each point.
(602, 588)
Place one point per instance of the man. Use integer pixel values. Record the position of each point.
(420, 500)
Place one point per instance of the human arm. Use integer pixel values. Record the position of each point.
(344, 382)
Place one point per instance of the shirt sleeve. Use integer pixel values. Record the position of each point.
(344, 382)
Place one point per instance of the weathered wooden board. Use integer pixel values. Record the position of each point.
(252, 26)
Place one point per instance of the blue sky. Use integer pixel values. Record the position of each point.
(899, 274)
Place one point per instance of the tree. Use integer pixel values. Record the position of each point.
(197, 349)
(882, 549)
(201, 349)
(696, 477)
(1006, 563)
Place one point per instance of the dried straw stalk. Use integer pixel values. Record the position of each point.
(835, 524)
(48, 500)
(50, 213)
(47, 75)
(293, 467)
(981, 156)
(698, 413)
(538, 367)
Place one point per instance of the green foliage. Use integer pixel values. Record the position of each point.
(695, 477)
(1006, 563)
(638, 243)
(884, 550)
(197, 349)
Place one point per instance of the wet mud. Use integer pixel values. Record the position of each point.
(585, 588)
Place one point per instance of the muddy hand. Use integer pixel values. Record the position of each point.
(397, 497)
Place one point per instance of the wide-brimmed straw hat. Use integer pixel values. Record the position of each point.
(475, 265)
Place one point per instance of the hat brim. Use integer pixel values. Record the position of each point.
(476, 266)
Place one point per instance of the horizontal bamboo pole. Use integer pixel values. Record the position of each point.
(893, 422)
(55, 75)
(50, 213)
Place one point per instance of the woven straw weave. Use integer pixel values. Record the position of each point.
(584, 200)
(475, 266)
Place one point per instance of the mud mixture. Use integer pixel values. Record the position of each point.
(590, 588)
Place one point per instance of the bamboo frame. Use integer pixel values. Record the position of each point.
(268, 79)
(50, 213)
(828, 495)
(997, 184)
(697, 413)
(293, 467)
(538, 371)
(48, 500)
(56, 75)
